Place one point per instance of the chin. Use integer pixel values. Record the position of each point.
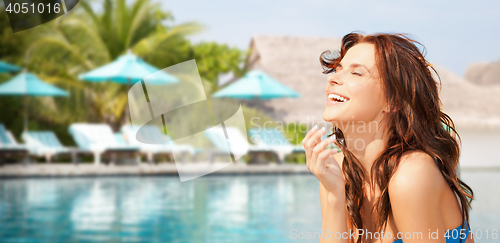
(335, 120)
(328, 118)
(334, 115)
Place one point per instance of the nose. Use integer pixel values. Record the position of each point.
(333, 79)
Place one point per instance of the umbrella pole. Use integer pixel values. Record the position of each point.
(127, 113)
(25, 98)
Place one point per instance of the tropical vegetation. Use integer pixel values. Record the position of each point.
(96, 33)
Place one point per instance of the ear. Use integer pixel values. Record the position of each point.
(388, 109)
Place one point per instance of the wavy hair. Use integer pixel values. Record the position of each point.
(415, 121)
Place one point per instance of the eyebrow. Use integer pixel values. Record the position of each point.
(357, 65)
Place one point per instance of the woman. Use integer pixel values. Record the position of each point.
(397, 173)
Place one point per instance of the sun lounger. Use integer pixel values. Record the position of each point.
(120, 139)
(9, 148)
(275, 141)
(99, 140)
(159, 144)
(45, 144)
(237, 144)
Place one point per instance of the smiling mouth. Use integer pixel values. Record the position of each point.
(337, 98)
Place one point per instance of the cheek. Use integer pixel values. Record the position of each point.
(367, 99)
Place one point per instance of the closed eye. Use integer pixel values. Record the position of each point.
(356, 73)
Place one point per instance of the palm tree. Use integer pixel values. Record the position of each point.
(86, 39)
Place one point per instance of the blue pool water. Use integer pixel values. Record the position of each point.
(239, 208)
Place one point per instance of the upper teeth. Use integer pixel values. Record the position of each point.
(336, 96)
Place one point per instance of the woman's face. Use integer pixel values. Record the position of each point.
(359, 87)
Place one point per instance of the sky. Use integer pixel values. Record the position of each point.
(455, 33)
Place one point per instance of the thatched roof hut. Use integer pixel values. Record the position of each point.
(294, 61)
(484, 73)
(469, 104)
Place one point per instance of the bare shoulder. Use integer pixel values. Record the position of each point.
(417, 175)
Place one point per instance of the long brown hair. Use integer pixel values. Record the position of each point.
(414, 122)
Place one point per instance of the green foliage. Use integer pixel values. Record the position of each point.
(214, 59)
(87, 38)
(296, 132)
(11, 45)
(296, 158)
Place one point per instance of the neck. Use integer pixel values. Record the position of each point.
(366, 140)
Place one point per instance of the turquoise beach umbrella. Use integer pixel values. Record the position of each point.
(256, 85)
(26, 84)
(7, 68)
(127, 69)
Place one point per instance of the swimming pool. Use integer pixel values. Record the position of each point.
(222, 208)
